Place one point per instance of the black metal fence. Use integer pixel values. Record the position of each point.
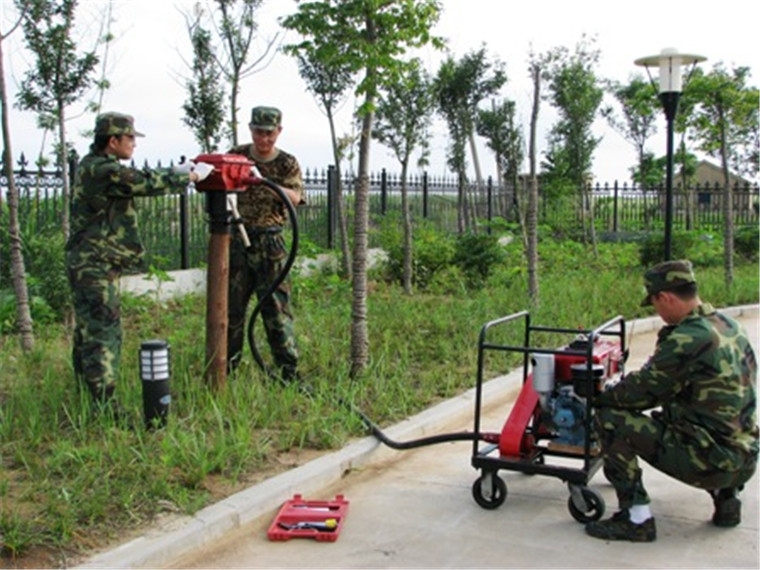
(174, 228)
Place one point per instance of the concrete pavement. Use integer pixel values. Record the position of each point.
(414, 508)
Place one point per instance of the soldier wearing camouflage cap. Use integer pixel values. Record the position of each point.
(699, 393)
(104, 242)
(256, 268)
(668, 276)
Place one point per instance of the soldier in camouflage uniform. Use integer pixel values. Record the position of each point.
(104, 241)
(702, 378)
(254, 270)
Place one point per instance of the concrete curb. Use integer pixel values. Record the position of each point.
(166, 543)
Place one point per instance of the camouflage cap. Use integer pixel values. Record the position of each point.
(116, 124)
(667, 275)
(268, 118)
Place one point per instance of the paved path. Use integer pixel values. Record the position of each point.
(414, 509)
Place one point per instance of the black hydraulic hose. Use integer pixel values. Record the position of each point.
(376, 431)
(421, 442)
(280, 278)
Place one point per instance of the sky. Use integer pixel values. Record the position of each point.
(147, 67)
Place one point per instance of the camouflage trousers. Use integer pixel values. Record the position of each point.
(626, 435)
(256, 270)
(96, 350)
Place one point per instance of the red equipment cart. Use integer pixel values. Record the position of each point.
(552, 417)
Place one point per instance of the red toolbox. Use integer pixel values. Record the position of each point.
(299, 518)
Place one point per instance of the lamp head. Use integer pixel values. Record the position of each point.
(669, 62)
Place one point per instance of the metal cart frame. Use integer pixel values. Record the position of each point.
(489, 490)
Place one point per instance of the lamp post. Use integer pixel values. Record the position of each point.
(669, 62)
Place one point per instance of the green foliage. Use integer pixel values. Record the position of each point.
(204, 108)
(575, 91)
(44, 259)
(432, 251)
(476, 255)
(404, 112)
(640, 110)
(60, 75)
(723, 115)
(747, 242)
(459, 87)
(702, 249)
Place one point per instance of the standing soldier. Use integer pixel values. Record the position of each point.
(104, 242)
(264, 216)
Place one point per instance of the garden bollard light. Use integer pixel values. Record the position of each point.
(154, 371)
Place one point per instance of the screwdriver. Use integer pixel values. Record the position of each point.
(327, 525)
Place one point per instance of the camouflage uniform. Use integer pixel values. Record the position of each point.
(703, 375)
(264, 216)
(104, 241)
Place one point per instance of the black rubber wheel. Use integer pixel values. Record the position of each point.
(594, 506)
(489, 491)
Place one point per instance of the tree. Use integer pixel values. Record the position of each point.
(460, 87)
(575, 91)
(504, 137)
(328, 84)
(725, 124)
(639, 108)
(235, 30)
(60, 76)
(18, 268)
(404, 113)
(368, 36)
(204, 107)
(537, 68)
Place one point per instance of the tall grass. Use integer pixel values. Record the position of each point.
(71, 481)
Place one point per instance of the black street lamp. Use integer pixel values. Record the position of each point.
(669, 62)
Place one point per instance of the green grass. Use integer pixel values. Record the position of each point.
(71, 481)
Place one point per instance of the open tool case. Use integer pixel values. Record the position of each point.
(299, 518)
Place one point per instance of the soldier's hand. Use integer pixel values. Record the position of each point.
(184, 168)
(202, 170)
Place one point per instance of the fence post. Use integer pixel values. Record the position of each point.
(425, 194)
(615, 208)
(489, 205)
(184, 231)
(332, 196)
(383, 191)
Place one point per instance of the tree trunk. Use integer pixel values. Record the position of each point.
(728, 206)
(476, 166)
(18, 269)
(233, 110)
(531, 218)
(407, 271)
(345, 262)
(359, 332)
(64, 159)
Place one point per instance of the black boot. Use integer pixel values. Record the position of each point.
(728, 507)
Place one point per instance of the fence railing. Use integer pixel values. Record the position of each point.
(174, 228)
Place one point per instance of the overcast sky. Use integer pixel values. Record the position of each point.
(146, 64)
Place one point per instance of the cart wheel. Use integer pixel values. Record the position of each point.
(593, 506)
(489, 490)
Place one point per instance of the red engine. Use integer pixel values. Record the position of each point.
(232, 173)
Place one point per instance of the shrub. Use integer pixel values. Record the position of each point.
(476, 255)
(701, 249)
(432, 251)
(746, 241)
